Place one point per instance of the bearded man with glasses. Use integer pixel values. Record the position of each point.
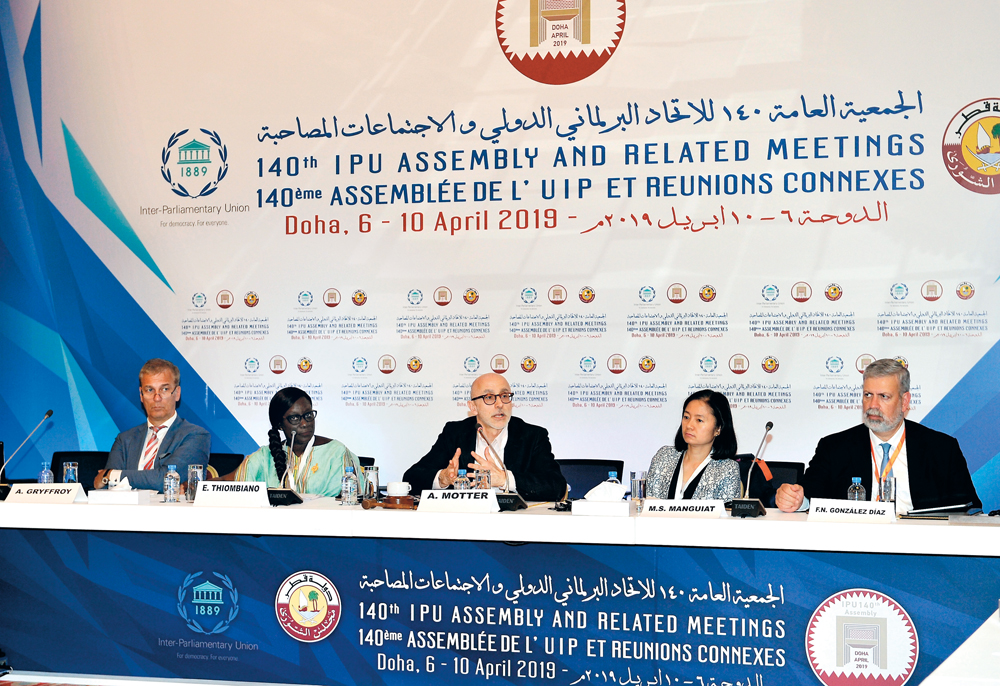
(143, 452)
(518, 455)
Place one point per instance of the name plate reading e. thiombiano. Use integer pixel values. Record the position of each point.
(232, 494)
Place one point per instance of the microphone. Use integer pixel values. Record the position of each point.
(507, 500)
(3, 469)
(489, 449)
(752, 507)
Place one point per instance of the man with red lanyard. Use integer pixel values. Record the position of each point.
(926, 466)
(142, 453)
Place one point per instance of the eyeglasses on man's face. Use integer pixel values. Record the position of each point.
(491, 398)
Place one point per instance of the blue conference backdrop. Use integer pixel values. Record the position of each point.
(356, 611)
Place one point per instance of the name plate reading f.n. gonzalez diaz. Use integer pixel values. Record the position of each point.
(479, 500)
(687, 509)
(47, 493)
(824, 510)
(232, 494)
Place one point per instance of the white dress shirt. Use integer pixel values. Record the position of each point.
(904, 503)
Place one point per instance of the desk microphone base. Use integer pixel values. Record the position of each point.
(511, 501)
(747, 507)
(282, 496)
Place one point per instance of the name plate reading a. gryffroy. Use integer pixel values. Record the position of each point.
(62, 494)
(232, 494)
(684, 509)
(861, 511)
(479, 500)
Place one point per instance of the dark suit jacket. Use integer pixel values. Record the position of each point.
(528, 455)
(183, 444)
(937, 470)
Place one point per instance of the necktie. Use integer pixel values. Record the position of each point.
(885, 460)
(149, 456)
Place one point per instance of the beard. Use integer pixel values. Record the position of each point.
(882, 424)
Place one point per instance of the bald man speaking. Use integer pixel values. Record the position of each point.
(517, 454)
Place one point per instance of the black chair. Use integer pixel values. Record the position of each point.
(223, 463)
(366, 461)
(90, 462)
(583, 475)
(781, 473)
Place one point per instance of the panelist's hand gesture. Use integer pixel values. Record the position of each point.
(498, 475)
(789, 497)
(447, 476)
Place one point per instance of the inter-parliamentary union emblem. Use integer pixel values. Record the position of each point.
(860, 636)
(308, 606)
(194, 168)
(971, 146)
(206, 607)
(559, 41)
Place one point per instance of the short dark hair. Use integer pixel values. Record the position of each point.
(158, 366)
(889, 367)
(724, 445)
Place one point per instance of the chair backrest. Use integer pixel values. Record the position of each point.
(781, 473)
(366, 461)
(224, 463)
(582, 475)
(786, 472)
(90, 462)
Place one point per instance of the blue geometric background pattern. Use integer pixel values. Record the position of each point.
(71, 336)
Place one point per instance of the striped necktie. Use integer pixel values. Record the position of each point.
(149, 456)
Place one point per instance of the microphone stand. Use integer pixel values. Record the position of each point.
(751, 507)
(507, 500)
(4, 487)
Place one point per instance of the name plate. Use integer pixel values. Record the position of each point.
(824, 510)
(479, 500)
(61, 494)
(232, 494)
(685, 509)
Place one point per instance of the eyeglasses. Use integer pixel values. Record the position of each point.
(491, 398)
(296, 419)
(149, 391)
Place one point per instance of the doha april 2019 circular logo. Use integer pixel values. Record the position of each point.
(559, 41)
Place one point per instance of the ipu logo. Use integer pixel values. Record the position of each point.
(193, 168)
(206, 607)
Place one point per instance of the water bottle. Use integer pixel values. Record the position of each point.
(462, 482)
(171, 484)
(46, 476)
(349, 487)
(613, 478)
(856, 491)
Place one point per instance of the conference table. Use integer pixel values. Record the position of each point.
(320, 593)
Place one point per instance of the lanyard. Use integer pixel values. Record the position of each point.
(301, 476)
(892, 460)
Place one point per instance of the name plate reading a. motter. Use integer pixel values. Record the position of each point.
(484, 500)
(232, 494)
(825, 510)
(47, 493)
(687, 509)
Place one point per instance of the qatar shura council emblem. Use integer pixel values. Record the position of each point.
(308, 606)
(971, 146)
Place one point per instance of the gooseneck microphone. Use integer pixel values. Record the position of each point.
(752, 507)
(7, 461)
(489, 449)
(756, 457)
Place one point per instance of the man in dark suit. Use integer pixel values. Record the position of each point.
(928, 466)
(143, 453)
(517, 454)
